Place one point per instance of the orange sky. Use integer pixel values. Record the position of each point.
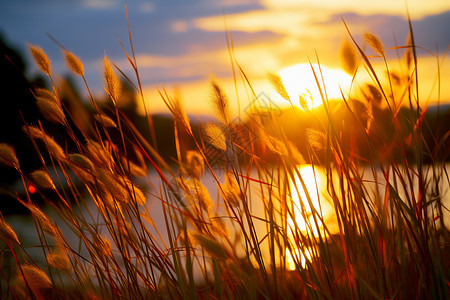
(181, 44)
(301, 28)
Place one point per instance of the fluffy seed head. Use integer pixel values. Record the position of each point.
(58, 259)
(104, 120)
(316, 138)
(136, 170)
(278, 85)
(220, 101)
(81, 161)
(135, 192)
(283, 148)
(44, 221)
(51, 110)
(46, 95)
(115, 186)
(210, 245)
(8, 156)
(99, 154)
(53, 148)
(40, 58)
(232, 192)
(176, 107)
(375, 43)
(214, 135)
(103, 245)
(7, 234)
(43, 180)
(195, 163)
(35, 277)
(74, 63)
(112, 83)
(348, 58)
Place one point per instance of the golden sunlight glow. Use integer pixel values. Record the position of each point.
(302, 217)
(299, 81)
(297, 256)
(313, 181)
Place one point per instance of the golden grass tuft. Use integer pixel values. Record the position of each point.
(215, 136)
(81, 161)
(375, 43)
(41, 59)
(104, 120)
(195, 163)
(99, 154)
(43, 180)
(59, 259)
(51, 110)
(7, 233)
(221, 102)
(213, 247)
(35, 277)
(102, 245)
(44, 221)
(248, 239)
(278, 85)
(74, 63)
(53, 148)
(45, 94)
(112, 82)
(8, 156)
(135, 170)
(231, 191)
(316, 138)
(283, 148)
(348, 57)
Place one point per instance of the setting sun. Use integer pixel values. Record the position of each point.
(299, 80)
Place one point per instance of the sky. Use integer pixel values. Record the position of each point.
(180, 45)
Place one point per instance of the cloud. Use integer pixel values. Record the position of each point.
(147, 7)
(417, 8)
(429, 32)
(100, 4)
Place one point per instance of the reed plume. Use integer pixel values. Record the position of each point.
(43, 180)
(112, 83)
(7, 234)
(195, 163)
(215, 136)
(74, 63)
(51, 110)
(278, 85)
(59, 259)
(212, 246)
(348, 57)
(53, 148)
(375, 43)
(8, 156)
(35, 278)
(41, 59)
(104, 120)
(221, 102)
(44, 221)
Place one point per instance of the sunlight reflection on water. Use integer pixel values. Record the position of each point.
(309, 197)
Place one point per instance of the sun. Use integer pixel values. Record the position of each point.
(299, 80)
